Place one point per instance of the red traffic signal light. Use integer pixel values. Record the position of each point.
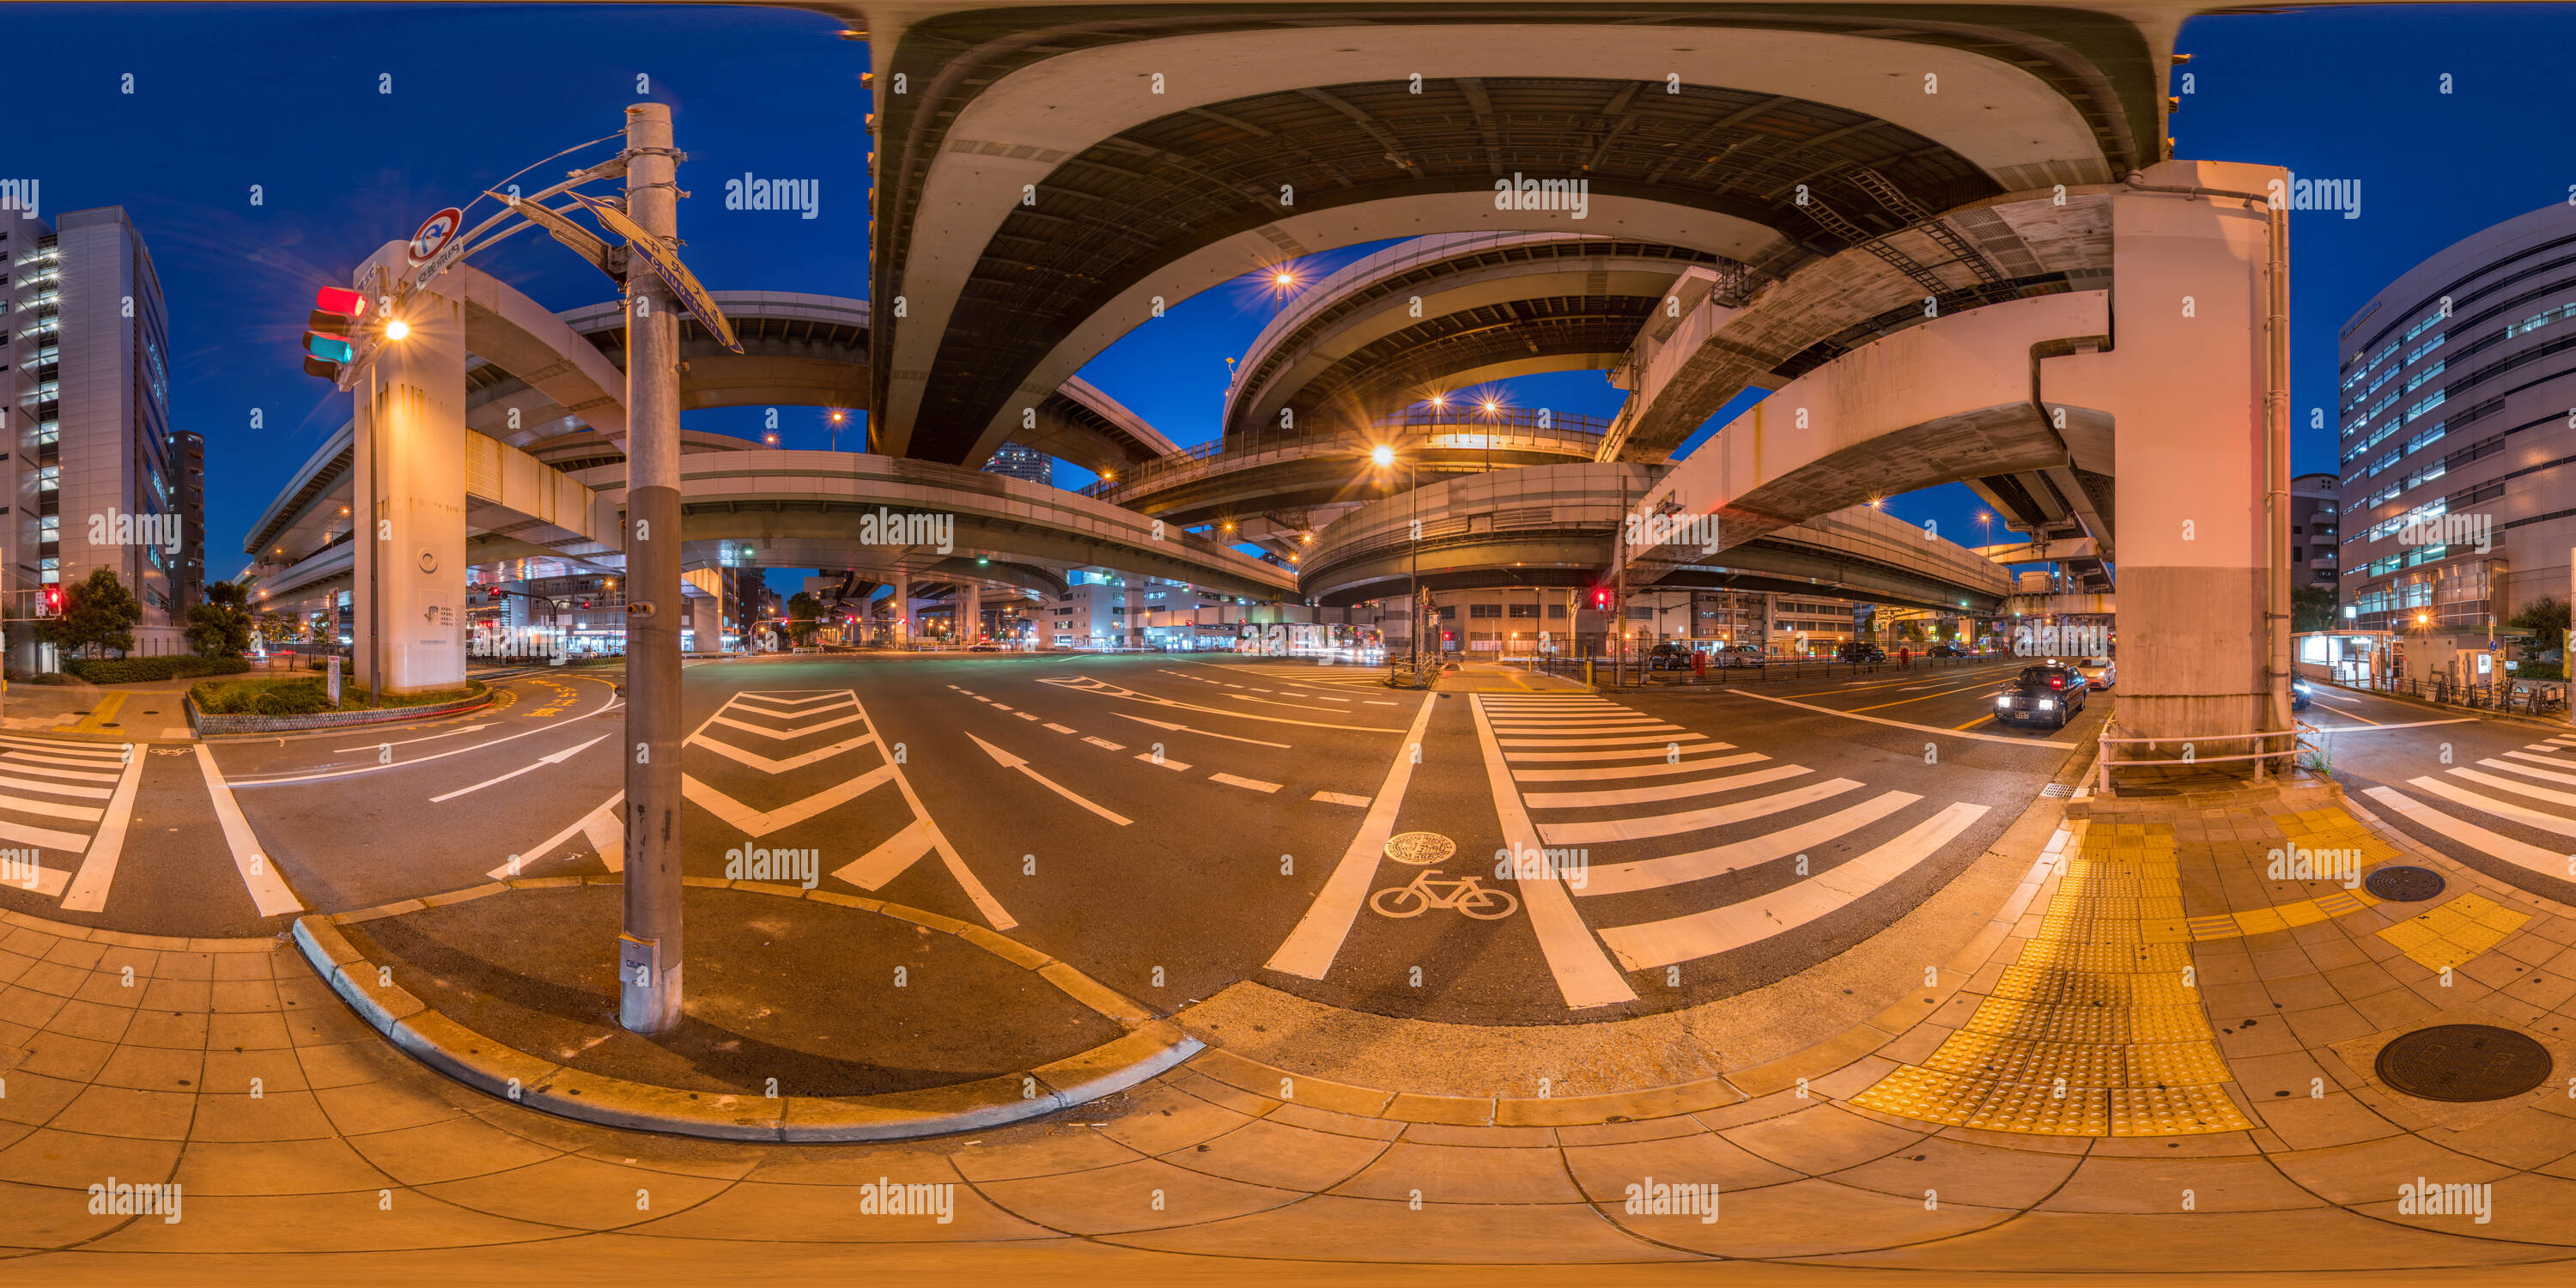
(327, 344)
(1601, 599)
(53, 601)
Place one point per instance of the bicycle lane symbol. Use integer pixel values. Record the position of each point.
(1467, 894)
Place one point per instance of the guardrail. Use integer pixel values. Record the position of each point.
(2102, 756)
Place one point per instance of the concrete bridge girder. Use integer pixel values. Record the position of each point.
(1994, 113)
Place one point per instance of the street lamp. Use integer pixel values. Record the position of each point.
(1383, 457)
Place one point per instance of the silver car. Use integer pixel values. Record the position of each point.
(2098, 672)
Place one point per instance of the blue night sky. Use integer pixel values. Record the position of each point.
(288, 98)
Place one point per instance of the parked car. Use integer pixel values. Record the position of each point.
(2098, 672)
(2043, 695)
(1669, 656)
(1740, 655)
(1945, 650)
(1860, 651)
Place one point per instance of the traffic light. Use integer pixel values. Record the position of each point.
(1601, 599)
(53, 601)
(327, 344)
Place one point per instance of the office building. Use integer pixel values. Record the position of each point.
(2315, 515)
(2457, 500)
(87, 428)
(1025, 464)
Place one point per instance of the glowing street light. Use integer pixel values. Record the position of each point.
(1381, 456)
(397, 329)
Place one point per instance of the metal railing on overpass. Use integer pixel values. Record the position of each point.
(1506, 430)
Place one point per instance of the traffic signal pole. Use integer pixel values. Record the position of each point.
(649, 948)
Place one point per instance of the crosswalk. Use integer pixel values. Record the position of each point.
(63, 811)
(1673, 846)
(2464, 805)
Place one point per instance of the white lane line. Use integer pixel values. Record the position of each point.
(10, 761)
(1936, 730)
(1060, 728)
(268, 889)
(472, 728)
(1182, 728)
(2528, 789)
(1254, 784)
(240, 783)
(1599, 742)
(1735, 925)
(88, 892)
(1623, 773)
(1009, 761)
(541, 762)
(52, 809)
(2415, 724)
(2522, 814)
(1310, 948)
(2492, 844)
(1000, 706)
(1638, 829)
(1380, 702)
(1164, 761)
(60, 747)
(1107, 690)
(1584, 975)
(1662, 791)
(889, 859)
(1340, 798)
(1269, 702)
(774, 767)
(1694, 865)
(545, 849)
(1103, 743)
(1631, 753)
(762, 822)
(782, 735)
(1024, 715)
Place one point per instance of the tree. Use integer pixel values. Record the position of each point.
(221, 626)
(2311, 609)
(98, 611)
(2546, 619)
(802, 610)
(1912, 630)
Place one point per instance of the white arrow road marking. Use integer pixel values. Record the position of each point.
(1009, 761)
(1179, 728)
(88, 891)
(1310, 949)
(268, 890)
(545, 849)
(541, 762)
(472, 728)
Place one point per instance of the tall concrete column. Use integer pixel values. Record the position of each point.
(2197, 380)
(409, 499)
(970, 600)
(903, 610)
(649, 949)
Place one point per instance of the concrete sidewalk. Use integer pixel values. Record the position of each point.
(2223, 1111)
(151, 710)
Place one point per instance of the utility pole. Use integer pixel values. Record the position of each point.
(648, 952)
(1619, 578)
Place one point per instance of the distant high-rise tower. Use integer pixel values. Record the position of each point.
(188, 460)
(87, 425)
(1025, 464)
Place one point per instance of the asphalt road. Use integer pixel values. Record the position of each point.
(1174, 824)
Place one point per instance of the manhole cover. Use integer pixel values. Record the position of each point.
(2460, 1063)
(1421, 849)
(2404, 884)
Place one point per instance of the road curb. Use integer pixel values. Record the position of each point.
(1149, 1047)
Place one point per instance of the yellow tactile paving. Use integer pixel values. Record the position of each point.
(2441, 938)
(2092, 1031)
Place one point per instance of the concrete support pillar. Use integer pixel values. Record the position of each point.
(903, 610)
(970, 613)
(2198, 388)
(409, 497)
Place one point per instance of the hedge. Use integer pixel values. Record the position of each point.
(303, 696)
(130, 670)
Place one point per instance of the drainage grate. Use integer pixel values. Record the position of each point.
(2057, 791)
(1421, 849)
(2459, 1063)
(2400, 884)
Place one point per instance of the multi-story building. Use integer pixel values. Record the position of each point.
(1026, 464)
(87, 430)
(2458, 500)
(2316, 511)
(188, 459)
